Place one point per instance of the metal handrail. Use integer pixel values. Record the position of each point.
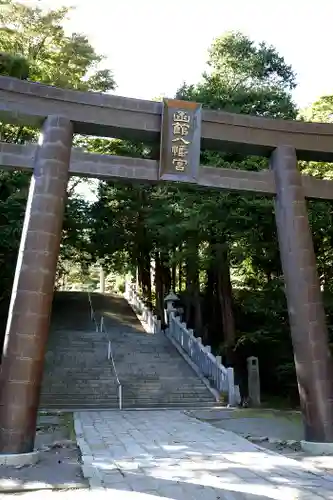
(110, 356)
(92, 312)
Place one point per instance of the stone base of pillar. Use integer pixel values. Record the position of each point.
(314, 448)
(19, 459)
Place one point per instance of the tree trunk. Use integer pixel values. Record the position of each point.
(225, 299)
(173, 276)
(193, 309)
(211, 313)
(146, 277)
(159, 291)
(166, 274)
(188, 301)
(180, 277)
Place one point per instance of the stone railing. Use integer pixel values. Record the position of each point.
(151, 322)
(210, 366)
(220, 377)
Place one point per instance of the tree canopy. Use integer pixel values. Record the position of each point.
(34, 46)
(217, 250)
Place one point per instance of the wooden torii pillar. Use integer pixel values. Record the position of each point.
(32, 294)
(313, 360)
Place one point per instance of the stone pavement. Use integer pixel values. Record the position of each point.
(255, 422)
(277, 430)
(168, 454)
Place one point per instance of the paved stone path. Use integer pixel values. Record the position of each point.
(168, 454)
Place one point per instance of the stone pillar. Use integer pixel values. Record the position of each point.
(312, 356)
(31, 301)
(231, 386)
(253, 381)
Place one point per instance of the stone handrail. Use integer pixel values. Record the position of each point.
(220, 377)
(147, 316)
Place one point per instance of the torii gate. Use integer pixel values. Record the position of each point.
(181, 128)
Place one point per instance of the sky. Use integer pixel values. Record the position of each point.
(153, 46)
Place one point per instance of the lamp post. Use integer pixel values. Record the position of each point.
(170, 300)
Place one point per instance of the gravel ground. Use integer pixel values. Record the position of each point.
(59, 465)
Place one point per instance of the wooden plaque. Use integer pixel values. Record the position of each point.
(180, 141)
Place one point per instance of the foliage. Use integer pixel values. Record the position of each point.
(52, 57)
(218, 250)
(208, 235)
(15, 66)
(33, 45)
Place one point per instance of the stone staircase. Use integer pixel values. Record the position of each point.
(78, 374)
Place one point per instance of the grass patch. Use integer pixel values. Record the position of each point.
(278, 403)
(251, 413)
(292, 416)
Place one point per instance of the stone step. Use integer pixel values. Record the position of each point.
(125, 403)
(78, 374)
(126, 389)
(130, 394)
(126, 383)
(105, 406)
(114, 400)
(110, 378)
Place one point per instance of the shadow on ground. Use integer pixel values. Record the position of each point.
(59, 466)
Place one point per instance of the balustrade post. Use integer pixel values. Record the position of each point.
(231, 386)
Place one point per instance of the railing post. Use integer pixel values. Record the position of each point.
(166, 317)
(120, 395)
(231, 386)
(253, 380)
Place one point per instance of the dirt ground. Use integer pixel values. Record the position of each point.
(59, 465)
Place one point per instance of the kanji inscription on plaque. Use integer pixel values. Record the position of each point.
(180, 141)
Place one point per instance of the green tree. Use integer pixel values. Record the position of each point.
(249, 79)
(245, 78)
(33, 45)
(203, 238)
(52, 57)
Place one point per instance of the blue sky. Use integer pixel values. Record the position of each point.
(154, 45)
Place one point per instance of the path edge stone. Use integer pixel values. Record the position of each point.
(314, 448)
(19, 459)
(89, 471)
